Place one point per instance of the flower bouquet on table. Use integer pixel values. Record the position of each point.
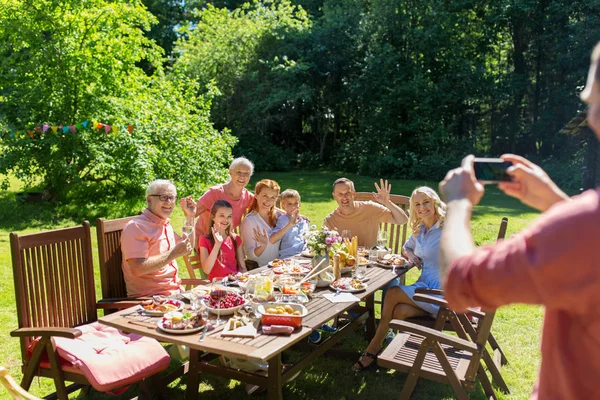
(320, 241)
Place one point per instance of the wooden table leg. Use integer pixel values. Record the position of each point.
(274, 380)
(193, 376)
(370, 323)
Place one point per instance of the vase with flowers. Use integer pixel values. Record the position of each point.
(319, 242)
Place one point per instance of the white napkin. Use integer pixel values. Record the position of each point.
(342, 297)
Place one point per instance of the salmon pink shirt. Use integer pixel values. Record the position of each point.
(554, 262)
(225, 263)
(145, 236)
(215, 193)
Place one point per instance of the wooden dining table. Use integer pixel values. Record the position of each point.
(263, 348)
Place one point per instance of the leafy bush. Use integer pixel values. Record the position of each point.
(64, 65)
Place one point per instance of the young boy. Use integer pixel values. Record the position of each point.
(290, 227)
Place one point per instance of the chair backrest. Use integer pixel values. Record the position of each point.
(111, 258)
(397, 233)
(54, 279)
(192, 263)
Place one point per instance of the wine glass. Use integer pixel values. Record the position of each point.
(188, 228)
(217, 293)
(382, 239)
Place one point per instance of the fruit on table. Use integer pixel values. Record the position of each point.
(350, 261)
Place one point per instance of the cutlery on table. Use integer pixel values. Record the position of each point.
(203, 333)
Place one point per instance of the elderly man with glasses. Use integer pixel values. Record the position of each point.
(150, 246)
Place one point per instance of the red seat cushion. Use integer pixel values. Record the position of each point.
(109, 358)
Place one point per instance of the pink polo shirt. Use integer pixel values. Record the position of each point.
(145, 236)
(240, 206)
(553, 262)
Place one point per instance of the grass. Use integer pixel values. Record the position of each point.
(516, 327)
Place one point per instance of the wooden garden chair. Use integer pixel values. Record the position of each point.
(428, 353)
(55, 293)
(470, 325)
(15, 391)
(114, 291)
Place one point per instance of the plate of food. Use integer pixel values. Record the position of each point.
(276, 263)
(363, 260)
(159, 306)
(181, 323)
(227, 305)
(392, 260)
(348, 285)
(291, 269)
(237, 278)
(198, 291)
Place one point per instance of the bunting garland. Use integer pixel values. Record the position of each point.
(65, 129)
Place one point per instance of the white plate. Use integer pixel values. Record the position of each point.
(179, 331)
(224, 311)
(390, 266)
(153, 313)
(271, 265)
(306, 253)
(349, 290)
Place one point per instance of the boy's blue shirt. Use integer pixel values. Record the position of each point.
(293, 241)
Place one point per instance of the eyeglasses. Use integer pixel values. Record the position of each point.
(242, 174)
(164, 197)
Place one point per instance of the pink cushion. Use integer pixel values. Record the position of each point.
(109, 358)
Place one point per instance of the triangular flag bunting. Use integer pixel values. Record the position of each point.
(30, 133)
(130, 128)
(114, 129)
(84, 124)
(45, 128)
(107, 128)
(54, 128)
(65, 129)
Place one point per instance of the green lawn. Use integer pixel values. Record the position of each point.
(517, 328)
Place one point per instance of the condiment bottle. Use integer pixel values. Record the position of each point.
(337, 272)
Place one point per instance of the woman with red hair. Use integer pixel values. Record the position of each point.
(259, 223)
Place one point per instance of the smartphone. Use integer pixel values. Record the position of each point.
(491, 170)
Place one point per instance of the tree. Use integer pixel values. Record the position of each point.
(71, 61)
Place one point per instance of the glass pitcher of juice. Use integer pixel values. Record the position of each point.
(263, 288)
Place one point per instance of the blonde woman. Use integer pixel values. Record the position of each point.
(427, 214)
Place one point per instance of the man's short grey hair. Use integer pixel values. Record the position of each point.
(242, 162)
(158, 184)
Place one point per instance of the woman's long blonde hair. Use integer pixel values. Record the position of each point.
(265, 184)
(439, 207)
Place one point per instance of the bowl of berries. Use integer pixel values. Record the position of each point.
(226, 305)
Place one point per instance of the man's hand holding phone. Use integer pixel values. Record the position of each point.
(530, 184)
(460, 183)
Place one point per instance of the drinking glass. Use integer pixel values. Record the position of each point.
(359, 271)
(217, 293)
(347, 234)
(382, 238)
(188, 228)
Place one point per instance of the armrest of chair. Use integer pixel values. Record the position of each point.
(431, 300)
(429, 291)
(433, 334)
(69, 333)
(120, 303)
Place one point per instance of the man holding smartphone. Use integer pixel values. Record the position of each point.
(552, 262)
